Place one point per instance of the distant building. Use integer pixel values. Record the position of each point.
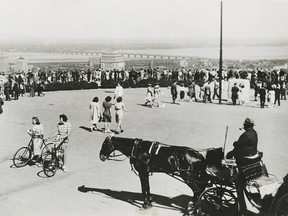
(183, 63)
(4, 63)
(112, 60)
(95, 62)
(285, 66)
(21, 65)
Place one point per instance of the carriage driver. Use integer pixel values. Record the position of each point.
(246, 146)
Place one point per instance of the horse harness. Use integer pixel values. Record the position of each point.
(154, 150)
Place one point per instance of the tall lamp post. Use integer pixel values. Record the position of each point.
(220, 61)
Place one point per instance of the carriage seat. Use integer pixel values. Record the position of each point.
(251, 168)
(219, 173)
(256, 177)
(214, 167)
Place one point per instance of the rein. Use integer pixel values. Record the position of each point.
(114, 155)
(132, 157)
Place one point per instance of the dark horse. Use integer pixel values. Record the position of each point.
(184, 163)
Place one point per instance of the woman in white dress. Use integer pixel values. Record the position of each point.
(271, 96)
(95, 113)
(119, 108)
(37, 137)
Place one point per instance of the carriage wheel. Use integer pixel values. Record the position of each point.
(22, 157)
(46, 149)
(281, 206)
(49, 165)
(217, 201)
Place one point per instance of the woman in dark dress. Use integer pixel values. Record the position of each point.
(107, 114)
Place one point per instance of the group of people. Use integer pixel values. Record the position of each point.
(152, 98)
(104, 113)
(200, 92)
(15, 85)
(272, 95)
(59, 137)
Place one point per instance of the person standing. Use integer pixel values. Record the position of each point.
(216, 88)
(271, 96)
(1, 105)
(262, 93)
(149, 96)
(191, 91)
(207, 92)
(16, 90)
(36, 134)
(182, 93)
(174, 91)
(235, 91)
(62, 135)
(157, 93)
(241, 95)
(118, 91)
(277, 95)
(119, 108)
(107, 117)
(95, 113)
(7, 91)
(32, 87)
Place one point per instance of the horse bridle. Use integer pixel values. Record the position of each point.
(113, 155)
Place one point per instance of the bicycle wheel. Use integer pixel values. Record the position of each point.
(281, 206)
(22, 157)
(50, 165)
(46, 149)
(217, 201)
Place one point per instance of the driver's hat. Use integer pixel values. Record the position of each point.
(249, 122)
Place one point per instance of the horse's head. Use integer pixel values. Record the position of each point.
(107, 148)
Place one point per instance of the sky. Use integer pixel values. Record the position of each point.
(142, 20)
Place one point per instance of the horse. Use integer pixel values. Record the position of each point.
(183, 163)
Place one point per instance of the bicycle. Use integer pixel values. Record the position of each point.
(25, 154)
(54, 159)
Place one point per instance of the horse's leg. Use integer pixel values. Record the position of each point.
(144, 178)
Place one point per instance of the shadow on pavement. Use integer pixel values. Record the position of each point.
(89, 129)
(178, 203)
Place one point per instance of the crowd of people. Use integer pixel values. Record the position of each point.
(205, 89)
(202, 85)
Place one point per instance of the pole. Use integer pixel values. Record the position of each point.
(220, 61)
(226, 132)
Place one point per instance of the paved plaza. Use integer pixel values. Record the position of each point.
(91, 187)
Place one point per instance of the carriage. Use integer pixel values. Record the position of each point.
(220, 187)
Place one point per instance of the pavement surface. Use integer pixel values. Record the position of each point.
(92, 187)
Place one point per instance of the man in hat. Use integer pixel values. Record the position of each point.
(245, 147)
(247, 142)
(234, 91)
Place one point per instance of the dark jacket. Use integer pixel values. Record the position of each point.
(246, 144)
(235, 91)
(173, 89)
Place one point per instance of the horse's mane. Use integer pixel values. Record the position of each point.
(172, 147)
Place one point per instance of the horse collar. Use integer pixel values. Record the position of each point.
(154, 148)
(134, 148)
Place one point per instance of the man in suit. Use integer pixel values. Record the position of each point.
(174, 91)
(235, 91)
